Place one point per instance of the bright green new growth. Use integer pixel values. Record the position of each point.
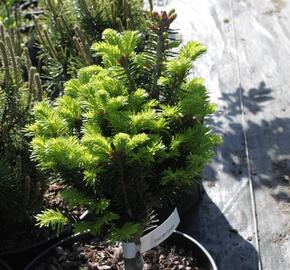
(53, 218)
(133, 152)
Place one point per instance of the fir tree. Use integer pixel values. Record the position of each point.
(131, 130)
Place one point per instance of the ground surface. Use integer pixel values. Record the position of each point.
(244, 218)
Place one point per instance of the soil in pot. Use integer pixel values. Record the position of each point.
(99, 256)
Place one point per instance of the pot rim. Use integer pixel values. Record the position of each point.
(213, 264)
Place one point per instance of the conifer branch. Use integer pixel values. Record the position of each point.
(39, 32)
(113, 12)
(13, 58)
(18, 70)
(81, 50)
(84, 7)
(27, 58)
(39, 91)
(125, 64)
(65, 24)
(53, 51)
(95, 4)
(85, 44)
(27, 190)
(18, 166)
(52, 9)
(158, 65)
(120, 24)
(5, 61)
(2, 35)
(31, 92)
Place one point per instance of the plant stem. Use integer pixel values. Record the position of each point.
(136, 263)
(12, 57)
(123, 186)
(125, 65)
(151, 5)
(85, 44)
(5, 61)
(158, 65)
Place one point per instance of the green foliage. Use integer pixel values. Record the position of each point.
(51, 218)
(6, 12)
(17, 96)
(125, 137)
(124, 233)
(68, 28)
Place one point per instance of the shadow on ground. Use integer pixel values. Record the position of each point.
(229, 249)
(269, 150)
(268, 141)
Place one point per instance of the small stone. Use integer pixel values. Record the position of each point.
(233, 231)
(58, 251)
(62, 258)
(42, 267)
(52, 267)
(75, 246)
(71, 256)
(104, 267)
(226, 20)
(118, 253)
(147, 266)
(211, 184)
(254, 172)
(81, 257)
(68, 265)
(155, 259)
(54, 261)
(249, 238)
(181, 251)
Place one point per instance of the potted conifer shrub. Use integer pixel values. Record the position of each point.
(127, 135)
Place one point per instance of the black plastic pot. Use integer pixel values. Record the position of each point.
(4, 265)
(178, 239)
(189, 198)
(19, 258)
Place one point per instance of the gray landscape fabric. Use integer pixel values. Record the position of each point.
(244, 217)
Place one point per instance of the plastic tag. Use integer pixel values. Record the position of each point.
(161, 233)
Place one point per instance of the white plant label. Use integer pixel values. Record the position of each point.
(161, 233)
